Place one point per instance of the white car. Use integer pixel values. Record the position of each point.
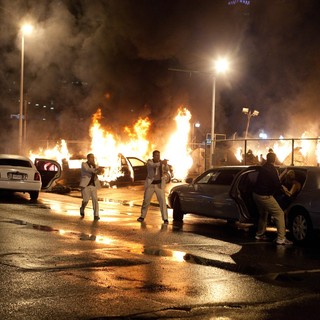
(20, 174)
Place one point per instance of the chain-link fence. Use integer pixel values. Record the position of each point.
(295, 151)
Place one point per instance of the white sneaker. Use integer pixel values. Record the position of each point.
(284, 242)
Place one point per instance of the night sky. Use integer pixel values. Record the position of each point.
(117, 55)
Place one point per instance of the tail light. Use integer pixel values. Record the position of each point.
(37, 176)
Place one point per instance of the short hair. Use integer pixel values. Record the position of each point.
(271, 157)
(155, 151)
(291, 174)
(89, 155)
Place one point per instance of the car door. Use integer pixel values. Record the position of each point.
(50, 171)
(241, 192)
(139, 168)
(210, 195)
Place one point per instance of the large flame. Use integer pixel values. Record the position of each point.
(177, 150)
(108, 147)
(58, 152)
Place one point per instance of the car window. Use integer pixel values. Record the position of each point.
(223, 178)
(210, 176)
(15, 163)
(43, 165)
(136, 162)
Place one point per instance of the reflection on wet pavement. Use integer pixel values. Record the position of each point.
(213, 256)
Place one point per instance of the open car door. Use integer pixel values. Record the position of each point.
(50, 171)
(139, 168)
(241, 193)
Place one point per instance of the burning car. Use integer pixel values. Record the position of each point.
(129, 170)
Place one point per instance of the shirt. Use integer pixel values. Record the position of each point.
(268, 182)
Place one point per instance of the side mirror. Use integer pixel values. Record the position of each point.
(189, 180)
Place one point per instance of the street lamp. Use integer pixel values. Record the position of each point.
(220, 66)
(25, 30)
(195, 125)
(249, 114)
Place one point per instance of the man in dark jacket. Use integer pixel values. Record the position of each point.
(268, 183)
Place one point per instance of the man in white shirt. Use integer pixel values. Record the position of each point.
(89, 184)
(155, 183)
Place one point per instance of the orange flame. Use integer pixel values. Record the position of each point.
(107, 147)
(177, 150)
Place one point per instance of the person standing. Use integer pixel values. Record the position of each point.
(89, 184)
(268, 183)
(155, 183)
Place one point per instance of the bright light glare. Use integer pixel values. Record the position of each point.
(245, 110)
(263, 135)
(27, 29)
(221, 65)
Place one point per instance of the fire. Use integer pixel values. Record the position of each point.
(301, 151)
(107, 147)
(177, 150)
(58, 152)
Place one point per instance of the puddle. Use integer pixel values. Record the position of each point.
(221, 261)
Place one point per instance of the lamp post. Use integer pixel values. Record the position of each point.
(249, 114)
(26, 29)
(195, 125)
(220, 66)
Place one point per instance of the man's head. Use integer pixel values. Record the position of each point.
(90, 157)
(156, 155)
(271, 158)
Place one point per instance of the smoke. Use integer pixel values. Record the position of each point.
(117, 54)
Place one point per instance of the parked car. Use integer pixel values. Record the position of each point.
(20, 174)
(226, 193)
(206, 195)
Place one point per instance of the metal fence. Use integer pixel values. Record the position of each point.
(293, 151)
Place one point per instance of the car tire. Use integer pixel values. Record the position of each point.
(300, 226)
(177, 213)
(34, 195)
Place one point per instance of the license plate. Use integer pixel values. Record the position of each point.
(17, 176)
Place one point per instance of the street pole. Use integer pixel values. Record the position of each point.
(25, 109)
(248, 123)
(21, 94)
(213, 120)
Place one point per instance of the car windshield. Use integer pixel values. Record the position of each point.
(15, 163)
(210, 176)
(223, 177)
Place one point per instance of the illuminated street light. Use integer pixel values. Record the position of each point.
(195, 125)
(220, 66)
(249, 114)
(25, 30)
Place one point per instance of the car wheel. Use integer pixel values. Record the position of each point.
(34, 195)
(177, 213)
(300, 226)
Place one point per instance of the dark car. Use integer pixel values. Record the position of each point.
(302, 214)
(226, 193)
(206, 195)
